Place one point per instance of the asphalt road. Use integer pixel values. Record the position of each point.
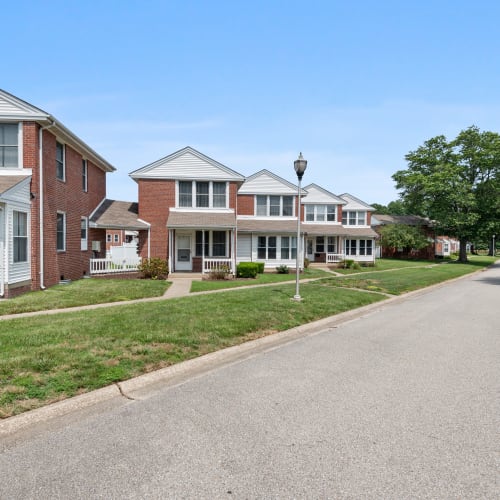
(401, 402)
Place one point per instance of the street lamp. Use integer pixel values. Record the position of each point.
(494, 249)
(300, 166)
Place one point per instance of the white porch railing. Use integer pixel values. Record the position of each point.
(106, 266)
(215, 264)
(333, 258)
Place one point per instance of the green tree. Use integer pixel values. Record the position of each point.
(455, 183)
(403, 236)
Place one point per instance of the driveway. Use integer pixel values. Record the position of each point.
(401, 402)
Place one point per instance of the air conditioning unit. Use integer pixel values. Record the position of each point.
(96, 246)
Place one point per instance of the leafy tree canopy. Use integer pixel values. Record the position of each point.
(456, 183)
(403, 236)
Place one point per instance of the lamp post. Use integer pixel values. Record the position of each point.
(300, 166)
(494, 249)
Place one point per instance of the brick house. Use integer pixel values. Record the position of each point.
(50, 183)
(202, 214)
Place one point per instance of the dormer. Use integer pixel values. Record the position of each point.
(266, 195)
(199, 182)
(321, 206)
(355, 212)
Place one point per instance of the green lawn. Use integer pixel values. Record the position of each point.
(47, 358)
(407, 279)
(261, 279)
(384, 265)
(83, 292)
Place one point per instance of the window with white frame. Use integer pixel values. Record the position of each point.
(274, 205)
(61, 231)
(276, 247)
(60, 161)
(288, 247)
(108, 238)
(266, 247)
(211, 244)
(84, 176)
(359, 247)
(116, 238)
(9, 145)
(84, 234)
(20, 236)
(202, 194)
(332, 244)
(320, 213)
(354, 218)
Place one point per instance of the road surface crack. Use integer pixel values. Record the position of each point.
(122, 393)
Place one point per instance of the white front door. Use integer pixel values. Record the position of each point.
(183, 258)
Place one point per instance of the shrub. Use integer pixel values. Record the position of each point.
(247, 269)
(306, 263)
(221, 273)
(260, 267)
(154, 268)
(282, 269)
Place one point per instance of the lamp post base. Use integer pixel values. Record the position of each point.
(297, 298)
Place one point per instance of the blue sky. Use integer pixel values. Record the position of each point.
(354, 85)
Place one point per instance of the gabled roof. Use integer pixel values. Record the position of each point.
(9, 183)
(112, 214)
(265, 182)
(14, 109)
(316, 194)
(189, 164)
(353, 203)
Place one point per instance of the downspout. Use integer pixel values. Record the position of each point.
(41, 198)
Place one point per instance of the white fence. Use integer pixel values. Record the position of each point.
(120, 259)
(108, 265)
(213, 264)
(333, 258)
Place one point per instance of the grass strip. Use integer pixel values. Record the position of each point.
(84, 292)
(47, 358)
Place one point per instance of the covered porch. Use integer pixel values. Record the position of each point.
(201, 242)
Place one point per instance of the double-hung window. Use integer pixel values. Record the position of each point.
(20, 235)
(211, 244)
(274, 205)
(84, 234)
(288, 247)
(84, 176)
(60, 161)
(266, 247)
(353, 218)
(320, 213)
(202, 194)
(9, 145)
(61, 231)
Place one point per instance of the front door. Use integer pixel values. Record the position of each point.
(183, 260)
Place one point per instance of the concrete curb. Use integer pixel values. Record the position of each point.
(136, 388)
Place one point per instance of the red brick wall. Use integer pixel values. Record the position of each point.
(156, 196)
(246, 204)
(64, 196)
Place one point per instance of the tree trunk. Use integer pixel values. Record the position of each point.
(462, 256)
